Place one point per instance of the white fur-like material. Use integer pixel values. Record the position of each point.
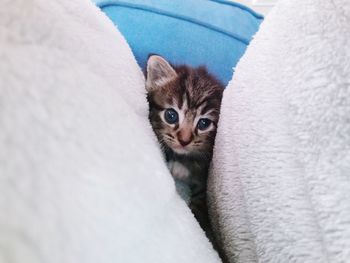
(280, 183)
(82, 178)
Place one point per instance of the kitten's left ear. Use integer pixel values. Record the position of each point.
(159, 72)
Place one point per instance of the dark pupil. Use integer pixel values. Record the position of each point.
(203, 124)
(171, 116)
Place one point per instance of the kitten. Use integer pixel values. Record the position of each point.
(184, 105)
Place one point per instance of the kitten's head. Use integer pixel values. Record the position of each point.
(184, 106)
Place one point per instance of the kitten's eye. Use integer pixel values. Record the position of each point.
(203, 124)
(171, 116)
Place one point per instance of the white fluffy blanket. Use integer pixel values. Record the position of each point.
(81, 175)
(280, 186)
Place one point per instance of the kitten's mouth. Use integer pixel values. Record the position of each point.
(181, 149)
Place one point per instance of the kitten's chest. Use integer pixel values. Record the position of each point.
(190, 177)
(188, 170)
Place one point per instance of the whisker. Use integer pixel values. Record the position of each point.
(168, 134)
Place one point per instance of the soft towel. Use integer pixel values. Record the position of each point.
(280, 183)
(82, 178)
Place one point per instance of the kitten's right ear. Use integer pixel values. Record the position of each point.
(159, 72)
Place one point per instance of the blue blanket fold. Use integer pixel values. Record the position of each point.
(201, 32)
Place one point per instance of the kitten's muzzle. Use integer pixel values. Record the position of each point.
(185, 137)
(184, 142)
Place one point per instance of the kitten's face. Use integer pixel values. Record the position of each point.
(184, 106)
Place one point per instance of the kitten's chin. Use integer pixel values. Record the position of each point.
(190, 152)
(181, 151)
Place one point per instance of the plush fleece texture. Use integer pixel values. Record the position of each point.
(280, 181)
(82, 178)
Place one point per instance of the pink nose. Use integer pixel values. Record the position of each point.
(184, 142)
(185, 137)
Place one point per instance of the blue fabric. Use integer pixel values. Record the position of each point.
(214, 33)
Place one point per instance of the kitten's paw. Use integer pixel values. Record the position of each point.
(178, 170)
